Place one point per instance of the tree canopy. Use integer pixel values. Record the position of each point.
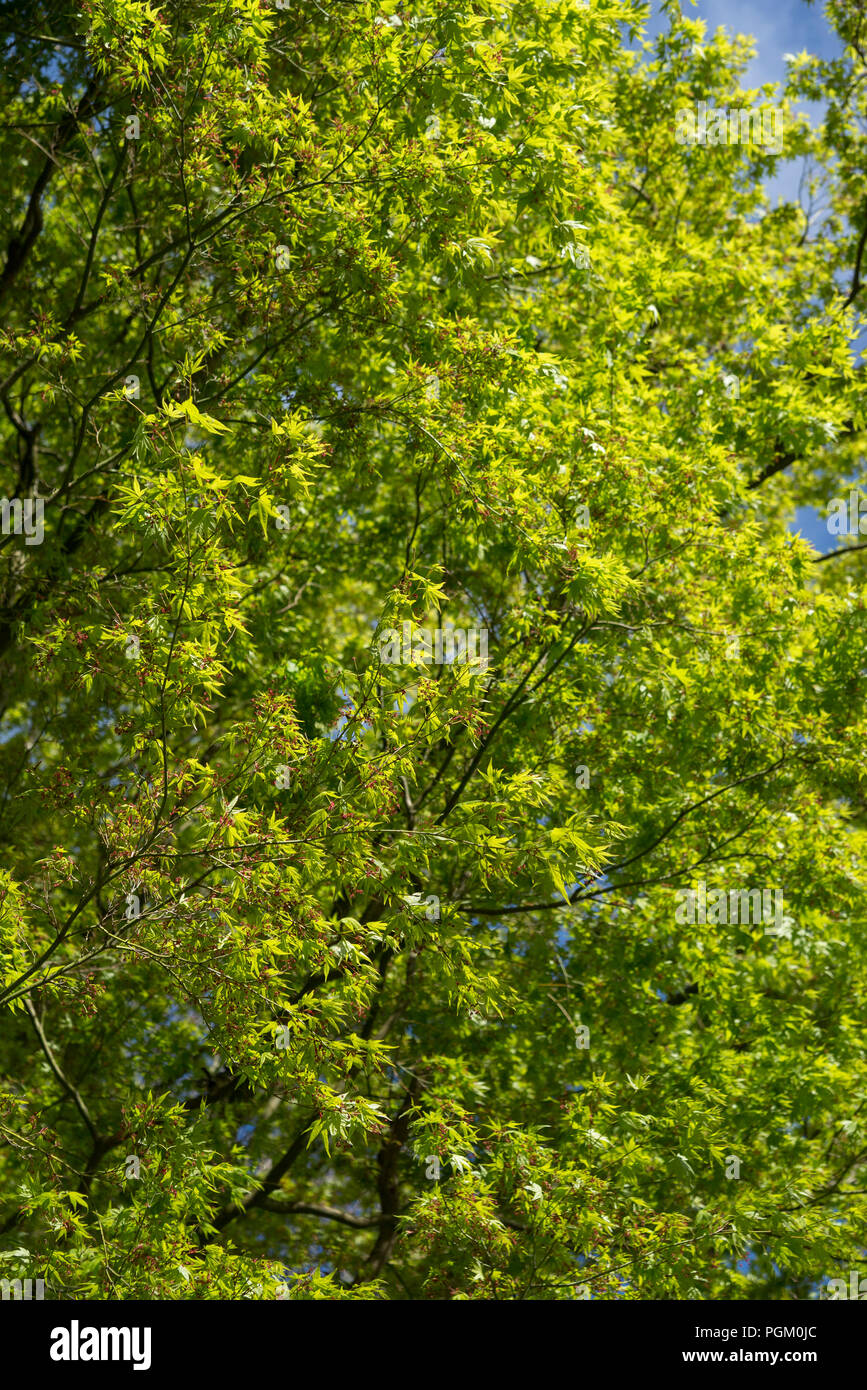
(414, 424)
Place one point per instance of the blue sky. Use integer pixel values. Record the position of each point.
(778, 27)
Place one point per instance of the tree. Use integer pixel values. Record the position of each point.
(409, 677)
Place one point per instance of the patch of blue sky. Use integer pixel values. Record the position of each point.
(813, 527)
(778, 30)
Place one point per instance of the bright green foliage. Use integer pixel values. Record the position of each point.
(325, 319)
